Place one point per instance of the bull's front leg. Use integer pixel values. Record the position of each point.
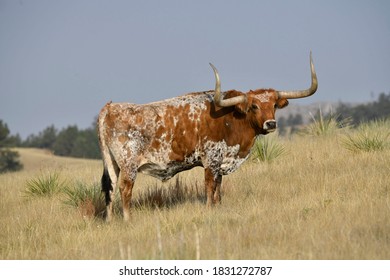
(213, 187)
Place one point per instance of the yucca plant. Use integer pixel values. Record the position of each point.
(325, 125)
(369, 137)
(44, 185)
(267, 149)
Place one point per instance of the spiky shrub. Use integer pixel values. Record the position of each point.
(324, 125)
(267, 149)
(368, 137)
(44, 185)
(88, 200)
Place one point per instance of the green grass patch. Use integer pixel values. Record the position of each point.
(369, 137)
(267, 149)
(45, 185)
(325, 125)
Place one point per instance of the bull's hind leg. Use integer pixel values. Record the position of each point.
(126, 189)
(213, 187)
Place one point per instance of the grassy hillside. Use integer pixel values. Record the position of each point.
(318, 200)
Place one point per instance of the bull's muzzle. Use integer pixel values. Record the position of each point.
(269, 125)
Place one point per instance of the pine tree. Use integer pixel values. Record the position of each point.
(9, 160)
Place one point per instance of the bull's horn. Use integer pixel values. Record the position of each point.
(302, 93)
(218, 98)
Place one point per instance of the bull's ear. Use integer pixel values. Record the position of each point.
(281, 103)
(242, 108)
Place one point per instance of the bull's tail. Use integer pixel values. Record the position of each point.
(106, 185)
(111, 170)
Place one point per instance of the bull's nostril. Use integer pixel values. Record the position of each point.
(270, 125)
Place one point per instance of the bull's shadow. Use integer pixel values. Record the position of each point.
(152, 197)
(176, 193)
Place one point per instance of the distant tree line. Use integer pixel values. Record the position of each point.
(379, 109)
(289, 124)
(353, 114)
(70, 141)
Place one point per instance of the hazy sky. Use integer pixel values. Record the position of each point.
(61, 61)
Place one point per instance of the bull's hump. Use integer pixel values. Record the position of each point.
(196, 100)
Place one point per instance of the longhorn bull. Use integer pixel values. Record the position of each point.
(212, 129)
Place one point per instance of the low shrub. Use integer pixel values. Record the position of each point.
(267, 149)
(325, 125)
(44, 185)
(368, 137)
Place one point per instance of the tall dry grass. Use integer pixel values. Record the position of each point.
(316, 201)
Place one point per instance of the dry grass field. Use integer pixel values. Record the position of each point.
(318, 200)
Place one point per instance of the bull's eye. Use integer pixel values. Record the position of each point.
(255, 107)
